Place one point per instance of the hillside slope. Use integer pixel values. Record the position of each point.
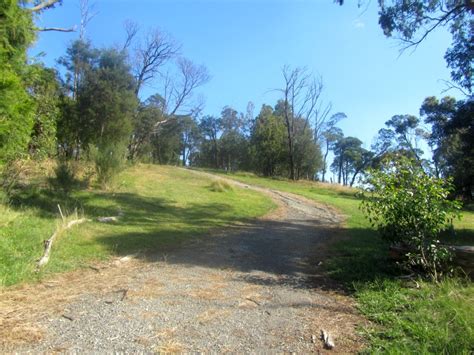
(162, 207)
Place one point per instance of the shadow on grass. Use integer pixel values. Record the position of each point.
(360, 256)
(459, 237)
(137, 209)
(297, 252)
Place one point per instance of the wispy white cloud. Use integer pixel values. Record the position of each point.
(358, 24)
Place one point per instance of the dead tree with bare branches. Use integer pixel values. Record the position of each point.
(301, 99)
(150, 55)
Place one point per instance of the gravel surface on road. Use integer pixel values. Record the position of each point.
(256, 287)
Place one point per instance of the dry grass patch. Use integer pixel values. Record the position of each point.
(169, 347)
(166, 332)
(22, 307)
(212, 315)
(13, 332)
(214, 292)
(220, 186)
(152, 288)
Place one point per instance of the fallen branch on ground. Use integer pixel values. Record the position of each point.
(48, 244)
(112, 219)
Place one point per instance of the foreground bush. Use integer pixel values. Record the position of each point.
(411, 208)
(109, 160)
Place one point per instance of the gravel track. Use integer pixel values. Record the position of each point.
(251, 288)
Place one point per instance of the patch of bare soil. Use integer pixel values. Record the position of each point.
(252, 288)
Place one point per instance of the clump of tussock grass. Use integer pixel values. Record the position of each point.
(220, 186)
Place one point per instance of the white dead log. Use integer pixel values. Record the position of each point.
(112, 219)
(327, 339)
(48, 244)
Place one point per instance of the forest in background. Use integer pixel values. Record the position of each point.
(91, 115)
(92, 109)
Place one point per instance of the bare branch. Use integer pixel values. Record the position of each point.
(44, 5)
(57, 29)
(450, 86)
(131, 30)
(192, 76)
(87, 14)
(301, 100)
(155, 50)
(440, 21)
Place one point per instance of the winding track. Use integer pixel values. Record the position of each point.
(250, 288)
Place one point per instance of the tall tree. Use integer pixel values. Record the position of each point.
(149, 113)
(232, 141)
(437, 114)
(348, 157)
(150, 54)
(16, 107)
(269, 140)
(301, 93)
(80, 57)
(210, 127)
(106, 101)
(190, 137)
(407, 134)
(451, 139)
(308, 159)
(44, 88)
(327, 131)
(331, 137)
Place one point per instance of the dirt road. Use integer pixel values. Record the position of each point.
(252, 288)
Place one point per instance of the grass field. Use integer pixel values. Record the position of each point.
(161, 206)
(164, 206)
(427, 318)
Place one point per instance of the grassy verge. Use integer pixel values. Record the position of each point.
(161, 206)
(427, 318)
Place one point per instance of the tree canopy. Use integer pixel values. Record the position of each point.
(412, 21)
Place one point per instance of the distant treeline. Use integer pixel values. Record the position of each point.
(93, 110)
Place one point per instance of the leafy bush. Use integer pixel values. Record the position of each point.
(65, 176)
(109, 160)
(410, 208)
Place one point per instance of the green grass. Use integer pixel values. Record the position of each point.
(431, 319)
(162, 207)
(434, 318)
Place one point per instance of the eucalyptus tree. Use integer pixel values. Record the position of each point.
(268, 138)
(331, 137)
(414, 20)
(106, 104)
(210, 128)
(407, 133)
(301, 94)
(348, 155)
(452, 140)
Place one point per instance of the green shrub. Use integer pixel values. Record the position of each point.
(410, 208)
(65, 176)
(109, 161)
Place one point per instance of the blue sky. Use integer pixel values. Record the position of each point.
(245, 43)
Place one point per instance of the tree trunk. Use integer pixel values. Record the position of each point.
(324, 161)
(290, 148)
(354, 176)
(339, 172)
(216, 155)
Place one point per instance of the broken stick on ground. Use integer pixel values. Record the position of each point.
(48, 244)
